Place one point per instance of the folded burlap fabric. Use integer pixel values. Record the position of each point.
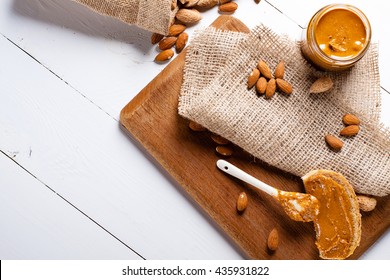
(152, 15)
(287, 131)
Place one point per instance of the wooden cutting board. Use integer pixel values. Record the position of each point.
(151, 119)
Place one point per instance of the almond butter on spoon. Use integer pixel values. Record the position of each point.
(298, 206)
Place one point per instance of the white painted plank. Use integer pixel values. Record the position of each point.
(38, 224)
(75, 148)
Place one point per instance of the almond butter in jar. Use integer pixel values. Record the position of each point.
(336, 37)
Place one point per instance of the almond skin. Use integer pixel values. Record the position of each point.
(194, 126)
(229, 7)
(349, 119)
(321, 85)
(181, 42)
(242, 202)
(167, 43)
(350, 130)
(188, 16)
(279, 70)
(219, 139)
(156, 38)
(333, 142)
(284, 86)
(207, 4)
(253, 77)
(164, 55)
(264, 69)
(273, 240)
(261, 85)
(176, 29)
(225, 151)
(271, 88)
(366, 203)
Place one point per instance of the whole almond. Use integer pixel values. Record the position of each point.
(279, 70)
(167, 43)
(261, 85)
(188, 16)
(190, 3)
(156, 38)
(273, 240)
(224, 1)
(181, 41)
(176, 29)
(225, 151)
(284, 86)
(349, 119)
(242, 202)
(194, 126)
(271, 88)
(350, 130)
(321, 85)
(264, 69)
(164, 55)
(219, 139)
(207, 4)
(366, 203)
(229, 7)
(253, 77)
(333, 142)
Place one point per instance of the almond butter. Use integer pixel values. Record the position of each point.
(279, 70)
(207, 4)
(225, 151)
(167, 43)
(194, 126)
(219, 139)
(229, 7)
(181, 42)
(188, 16)
(273, 240)
(271, 88)
(264, 69)
(333, 142)
(349, 119)
(156, 38)
(242, 202)
(164, 55)
(176, 29)
(350, 130)
(321, 85)
(366, 203)
(284, 86)
(253, 77)
(261, 85)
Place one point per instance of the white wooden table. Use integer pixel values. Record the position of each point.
(72, 184)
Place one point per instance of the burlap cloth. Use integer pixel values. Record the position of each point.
(152, 15)
(287, 131)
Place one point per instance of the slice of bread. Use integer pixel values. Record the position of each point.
(338, 225)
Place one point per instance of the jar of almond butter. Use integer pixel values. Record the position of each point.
(336, 37)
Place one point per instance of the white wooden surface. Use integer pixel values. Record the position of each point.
(72, 184)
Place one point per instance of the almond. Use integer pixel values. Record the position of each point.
(333, 142)
(242, 202)
(181, 41)
(207, 4)
(164, 55)
(224, 1)
(271, 88)
(264, 69)
(156, 38)
(229, 7)
(273, 240)
(194, 126)
(253, 77)
(225, 151)
(350, 130)
(366, 203)
(261, 85)
(284, 86)
(173, 4)
(321, 85)
(176, 29)
(219, 139)
(188, 16)
(349, 119)
(167, 43)
(190, 3)
(279, 70)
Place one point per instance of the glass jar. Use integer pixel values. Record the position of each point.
(336, 37)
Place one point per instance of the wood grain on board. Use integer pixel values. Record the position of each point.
(151, 119)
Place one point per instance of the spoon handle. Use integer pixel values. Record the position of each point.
(238, 173)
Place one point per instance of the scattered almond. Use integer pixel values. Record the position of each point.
(271, 88)
(181, 41)
(242, 202)
(176, 29)
(284, 86)
(188, 16)
(164, 55)
(273, 240)
(253, 77)
(167, 43)
(224, 1)
(196, 127)
(333, 142)
(156, 38)
(190, 3)
(225, 151)
(219, 139)
(366, 203)
(261, 85)
(264, 69)
(207, 4)
(321, 85)
(350, 130)
(349, 119)
(279, 70)
(229, 7)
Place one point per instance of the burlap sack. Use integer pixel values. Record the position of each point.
(152, 15)
(287, 131)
